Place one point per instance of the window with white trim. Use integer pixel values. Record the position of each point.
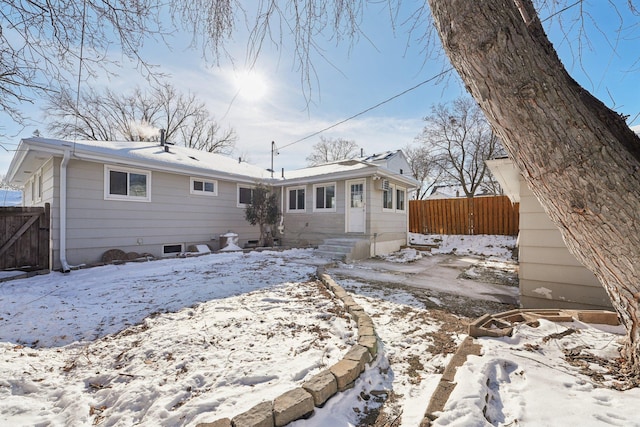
(401, 195)
(324, 197)
(296, 199)
(204, 187)
(127, 184)
(387, 198)
(245, 195)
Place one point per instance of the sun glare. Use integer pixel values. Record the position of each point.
(251, 86)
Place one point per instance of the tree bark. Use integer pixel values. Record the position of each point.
(578, 157)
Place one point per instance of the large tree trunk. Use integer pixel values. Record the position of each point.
(579, 158)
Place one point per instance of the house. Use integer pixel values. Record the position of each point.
(550, 276)
(144, 197)
(364, 201)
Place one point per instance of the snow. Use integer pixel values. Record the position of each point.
(528, 381)
(151, 153)
(189, 340)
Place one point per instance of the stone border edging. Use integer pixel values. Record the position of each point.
(501, 325)
(301, 402)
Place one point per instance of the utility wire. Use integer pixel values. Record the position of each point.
(370, 108)
(407, 90)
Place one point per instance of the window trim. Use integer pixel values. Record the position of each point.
(335, 196)
(166, 254)
(404, 199)
(391, 190)
(297, 209)
(203, 192)
(238, 186)
(127, 197)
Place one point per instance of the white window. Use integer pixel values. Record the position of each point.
(296, 199)
(204, 187)
(324, 197)
(387, 199)
(245, 195)
(400, 199)
(127, 184)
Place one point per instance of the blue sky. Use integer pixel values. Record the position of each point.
(354, 78)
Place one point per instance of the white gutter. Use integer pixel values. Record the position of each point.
(281, 226)
(63, 211)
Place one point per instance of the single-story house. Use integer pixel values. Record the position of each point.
(161, 199)
(550, 276)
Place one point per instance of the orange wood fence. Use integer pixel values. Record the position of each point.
(477, 215)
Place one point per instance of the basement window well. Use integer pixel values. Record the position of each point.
(171, 250)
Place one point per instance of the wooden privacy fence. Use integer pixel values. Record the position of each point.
(24, 238)
(477, 215)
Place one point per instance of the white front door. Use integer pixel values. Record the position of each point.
(356, 206)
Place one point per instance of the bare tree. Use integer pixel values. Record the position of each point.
(138, 116)
(459, 139)
(424, 168)
(331, 150)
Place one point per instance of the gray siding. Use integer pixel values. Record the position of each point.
(386, 231)
(550, 276)
(173, 216)
(309, 227)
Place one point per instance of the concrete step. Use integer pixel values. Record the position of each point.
(334, 248)
(330, 255)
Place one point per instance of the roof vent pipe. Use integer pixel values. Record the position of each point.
(166, 148)
(282, 172)
(162, 132)
(361, 152)
(239, 159)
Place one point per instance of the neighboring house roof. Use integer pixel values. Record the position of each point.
(446, 192)
(32, 152)
(384, 156)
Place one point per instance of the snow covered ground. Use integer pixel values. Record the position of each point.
(183, 341)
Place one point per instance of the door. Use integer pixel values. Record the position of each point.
(356, 206)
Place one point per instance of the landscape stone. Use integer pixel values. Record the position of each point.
(371, 342)
(321, 386)
(222, 422)
(366, 330)
(260, 415)
(346, 372)
(292, 405)
(349, 301)
(359, 354)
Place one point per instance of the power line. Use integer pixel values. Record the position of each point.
(407, 90)
(370, 108)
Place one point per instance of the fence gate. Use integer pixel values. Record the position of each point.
(24, 238)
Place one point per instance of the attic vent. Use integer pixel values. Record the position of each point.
(384, 184)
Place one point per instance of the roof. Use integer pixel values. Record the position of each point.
(386, 155)
(32, 152)
(136, 154)
(345, 169)
(507, 175)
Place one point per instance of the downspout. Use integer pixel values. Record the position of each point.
(281, 226)
(63, 212)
